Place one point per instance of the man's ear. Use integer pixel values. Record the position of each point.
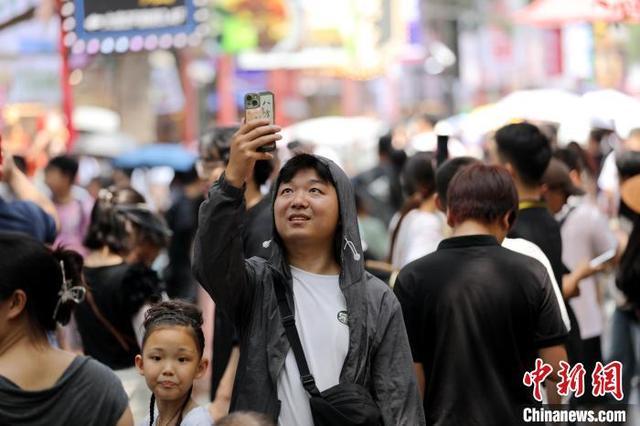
(575, 177)
(439, 204)
(450, 220)
(544, 188)
(510, 169)
(506, 221)
(17, 304)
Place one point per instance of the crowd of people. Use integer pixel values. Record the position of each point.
(269, 292)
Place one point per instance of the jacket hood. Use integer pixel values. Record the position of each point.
(348, 247)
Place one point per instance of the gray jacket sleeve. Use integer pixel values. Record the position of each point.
(218, 258)
(394, 381)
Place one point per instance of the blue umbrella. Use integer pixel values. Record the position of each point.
(172, 155)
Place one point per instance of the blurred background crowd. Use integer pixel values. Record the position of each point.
(120, 114)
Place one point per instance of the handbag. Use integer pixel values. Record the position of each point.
(345, 404)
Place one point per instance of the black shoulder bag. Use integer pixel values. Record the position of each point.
(345, 404)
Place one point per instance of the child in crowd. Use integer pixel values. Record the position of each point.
(171, 360)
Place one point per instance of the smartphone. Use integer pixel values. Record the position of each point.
(603, 258)
(260, 106)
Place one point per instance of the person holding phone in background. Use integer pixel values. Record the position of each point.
(214, 156)
(585, 235)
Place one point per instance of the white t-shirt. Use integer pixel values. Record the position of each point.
(585, 235)
(321, 321)
(609, 179)
(526, 247)
(420, 233)
(198, 416)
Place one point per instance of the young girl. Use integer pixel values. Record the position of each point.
(170, 361)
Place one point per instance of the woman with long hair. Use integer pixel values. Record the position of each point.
(420, 225)
(41, 384)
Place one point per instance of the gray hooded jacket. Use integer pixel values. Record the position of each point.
(379, 356)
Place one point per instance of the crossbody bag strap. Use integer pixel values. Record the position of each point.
(122, 340)
(289, 323)
(564, 219)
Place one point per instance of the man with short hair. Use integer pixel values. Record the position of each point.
(445, 174)
(32, 213)
(74, 212)
(350, 324)
(478, 314)
(526, 152)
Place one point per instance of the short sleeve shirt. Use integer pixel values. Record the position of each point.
(585, 235)
(477, 314)
(536, 224)
(419, 234)
(88, 393)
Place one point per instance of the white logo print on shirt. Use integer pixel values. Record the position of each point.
(343, 317)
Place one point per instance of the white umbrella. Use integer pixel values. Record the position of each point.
(107, 145)
(539, 105)
(549, 105)
(95, 119)
(613, 107)
(351, 141)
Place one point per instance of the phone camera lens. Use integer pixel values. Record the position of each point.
(254, 102)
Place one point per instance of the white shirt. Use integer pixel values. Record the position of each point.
(198, 416)
(585, 235)
(420, 233)
(321, 321)
(526, 247)
(609, 179)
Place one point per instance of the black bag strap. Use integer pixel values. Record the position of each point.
(564, 219)
(289, 323)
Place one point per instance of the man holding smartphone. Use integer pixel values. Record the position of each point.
(350, 323)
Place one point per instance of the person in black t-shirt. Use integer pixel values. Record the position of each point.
(484, 314)
(182, 218)
(526, 152)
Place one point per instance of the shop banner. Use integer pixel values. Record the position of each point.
(109, 26)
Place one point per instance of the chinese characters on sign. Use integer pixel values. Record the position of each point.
(605, 379)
